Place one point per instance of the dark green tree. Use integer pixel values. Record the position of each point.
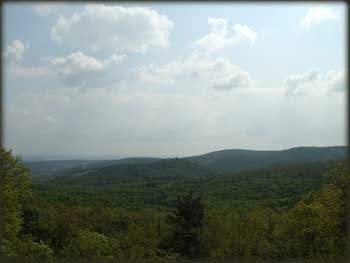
(186, 220)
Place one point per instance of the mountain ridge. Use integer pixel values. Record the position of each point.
(217, 162)
(238, 159)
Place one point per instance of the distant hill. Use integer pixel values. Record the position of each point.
(132, 171)
(137, 168)
(59, 167)
(235, 160)
(137, 160)
(54, 168)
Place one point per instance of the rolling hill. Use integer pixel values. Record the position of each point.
(162, 170)
(153, 169)
(278, 186)
(45, 170)
(236, 160)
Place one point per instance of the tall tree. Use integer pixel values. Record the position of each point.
(15, 196)
(186, 220)
(14, 190)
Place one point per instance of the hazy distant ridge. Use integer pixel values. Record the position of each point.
(234, 160)
(155, 169)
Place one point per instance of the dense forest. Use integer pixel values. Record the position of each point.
(174, 210)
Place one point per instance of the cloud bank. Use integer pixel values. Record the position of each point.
(114, 28)
(78, 68)
(200, 70)
(313, 82)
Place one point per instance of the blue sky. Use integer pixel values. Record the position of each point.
(172, 79)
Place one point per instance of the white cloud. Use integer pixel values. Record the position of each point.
(316, 16)
(219, 36)
(298, 80)
(243, 34)
(314, 82)
(78, 68)
(44, 9)
(335, 80)
(197, 70)
(301, 84)
(114, 28)
(14, 52)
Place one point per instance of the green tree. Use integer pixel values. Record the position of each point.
(88, 245)
(260, 225)
(238, 234)
(186, 220)
(27, 249)
(313, 228)
(215, 235)
(14, 195)
(37, 224)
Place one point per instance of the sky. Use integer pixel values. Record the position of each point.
(172, 79)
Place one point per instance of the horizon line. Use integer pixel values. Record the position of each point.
(84, 157)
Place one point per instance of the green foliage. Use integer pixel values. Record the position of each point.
(27, 249)
(215, 235)
(14, 195)
(36, 222)
(314, 228)
(159, 171)
(260, 225)
(88, 245)
(273, 187)
(286, 212)
(186, 220)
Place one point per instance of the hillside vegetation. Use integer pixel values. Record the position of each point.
(231, 204)
(225, 161)
(163, 170)
(284, 212)
(136, 187)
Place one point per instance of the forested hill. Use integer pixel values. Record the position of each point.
(218, 162)
(235, 160)
(55, 168)
(285, 212)
(278, 186)
(162, 170)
